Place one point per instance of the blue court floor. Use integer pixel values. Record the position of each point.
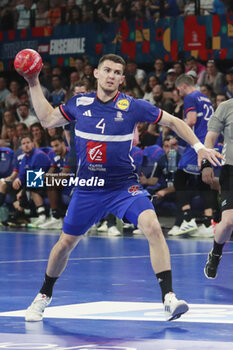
(108, 297)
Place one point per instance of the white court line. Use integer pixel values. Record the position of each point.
(106, 258)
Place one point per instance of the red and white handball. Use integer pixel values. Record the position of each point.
(28, 62)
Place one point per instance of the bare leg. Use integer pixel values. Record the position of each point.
(60, 253)
(225, 227)
(159, 252)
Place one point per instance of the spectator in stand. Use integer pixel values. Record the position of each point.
(12, 100)
(39, 135)
(56, 13)
(145, 137)
(21, 129)
(3, 94)
(25, 100)
(219, 8)
(189, 8)
(52, 132)
(7, 120)
(160, 101)
(88, 77)
(169, 83)
(130, 83)
(206, 7)
(206, 90)
(74, 78)
(102, 11)
(213, 77)
(151, 82)
(26, 14)
(79, 65)
(178, 107)
(74, 15)
(25, 116)
(41, 19)
(58, 94)
(121, 10)
(220, 98)
(132, 69)
(159, 71)
(11, 137)
(46, 76)
(8, 18)
(228, 89)
(179, 68)
(87, 11)
(192, 64)
(152, 8)
(171, 8)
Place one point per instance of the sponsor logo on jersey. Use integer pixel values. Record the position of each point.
(119, 117)
(96, 152)
(84, 101)
(134, 190)
(87, 113)
(123, 104)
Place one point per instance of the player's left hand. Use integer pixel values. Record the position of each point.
(212, 155)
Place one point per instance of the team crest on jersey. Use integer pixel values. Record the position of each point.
(119, 117)
(84, 101)
(96, 152)
(134, 190)
(123, 104)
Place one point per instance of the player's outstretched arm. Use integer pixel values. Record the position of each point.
(186, 133)
(28, 63)
(49, 117)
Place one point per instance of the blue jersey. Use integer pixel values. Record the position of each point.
(104, 135)
(58, 162)
(199, 103)
(6, 161)
(34, 161)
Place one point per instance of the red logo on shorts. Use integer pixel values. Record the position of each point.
(96, 152)
(134, 188)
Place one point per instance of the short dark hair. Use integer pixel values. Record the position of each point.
(26, 135)
(57, 138)
(185, 79)
(113, 58)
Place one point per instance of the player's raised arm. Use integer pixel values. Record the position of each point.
(186, 133)
(28, 63)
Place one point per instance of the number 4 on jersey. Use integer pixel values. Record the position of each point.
(101, 125)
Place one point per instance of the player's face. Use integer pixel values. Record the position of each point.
(57, 147)
(27, 145)
(109, 76)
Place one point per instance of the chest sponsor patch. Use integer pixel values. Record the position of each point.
(96, 152)
(84, 101)
(123, 104)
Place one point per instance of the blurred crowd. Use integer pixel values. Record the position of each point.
(19, 14)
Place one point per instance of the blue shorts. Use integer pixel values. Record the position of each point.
(86, 208)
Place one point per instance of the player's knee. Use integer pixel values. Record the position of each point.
(152, 230)
(228, 221)
(67, 244)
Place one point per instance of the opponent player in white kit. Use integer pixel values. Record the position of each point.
(105, 122)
